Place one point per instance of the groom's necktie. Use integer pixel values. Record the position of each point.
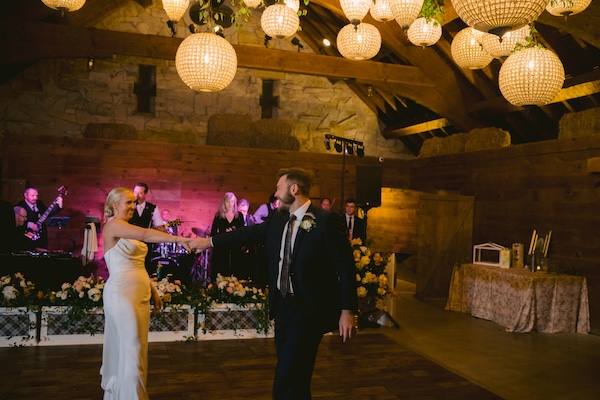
(284, 280)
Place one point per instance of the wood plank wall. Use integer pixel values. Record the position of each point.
(543, 186)
(517, 189)
(188, 180)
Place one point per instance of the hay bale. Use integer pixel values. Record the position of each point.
(110, 131)
(436, 146)
(274, 134)
(486, 138)
(579, 124)
(229, 130)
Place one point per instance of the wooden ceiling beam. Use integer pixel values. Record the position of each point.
(33, 41)
(416, 129)
(499, 105)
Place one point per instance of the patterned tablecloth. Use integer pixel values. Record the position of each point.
(521, 300)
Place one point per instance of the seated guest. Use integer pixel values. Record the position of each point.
(265, 210)
(226, 260)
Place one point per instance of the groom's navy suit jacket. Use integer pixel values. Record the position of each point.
(322, 270)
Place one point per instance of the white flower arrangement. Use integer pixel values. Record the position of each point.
(309, 222)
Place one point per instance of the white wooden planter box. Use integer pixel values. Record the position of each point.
(230, 321)
(17, 327)
(172, 324)
(58, 329)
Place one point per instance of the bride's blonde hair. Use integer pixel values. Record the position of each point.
(113, 197)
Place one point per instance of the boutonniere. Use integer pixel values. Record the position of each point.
(308, 222)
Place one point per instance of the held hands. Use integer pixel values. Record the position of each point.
(200, 244)
(186, 243)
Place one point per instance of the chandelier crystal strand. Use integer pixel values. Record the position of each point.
(66, 5)
(502, 47)
(381, 11)
(498, 16)
(406, 11)
(360, 42)
(567, 7)
(467, 51)
(531, 76)
(175, 8)
(423, 33)
(355, 10)
(206, 62)
(279, 21)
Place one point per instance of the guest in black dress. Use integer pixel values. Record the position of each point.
(227, 260)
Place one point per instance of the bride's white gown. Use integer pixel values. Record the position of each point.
(127, 318)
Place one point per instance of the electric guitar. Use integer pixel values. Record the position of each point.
(175, 222)
(62, 191)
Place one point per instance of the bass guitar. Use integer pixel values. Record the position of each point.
(62, 191)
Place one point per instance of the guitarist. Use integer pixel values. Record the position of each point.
(35, 209)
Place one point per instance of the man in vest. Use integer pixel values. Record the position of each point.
(147, 214)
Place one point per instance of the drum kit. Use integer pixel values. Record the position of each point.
(173, 259)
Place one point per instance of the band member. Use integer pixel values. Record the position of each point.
(35, 209)
(146, 215)
(166, 217)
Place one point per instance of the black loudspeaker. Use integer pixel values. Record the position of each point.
(368, 185)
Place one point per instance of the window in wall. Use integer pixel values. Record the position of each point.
(145, 89)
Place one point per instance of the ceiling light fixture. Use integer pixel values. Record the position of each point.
(467, 51)
(567, 7)
(498, 16)
(206, 62)
(531, 76)
(64, 5)
(355, 10)
(406, 11)
(424, 33)
(360, 42)
(279, 21)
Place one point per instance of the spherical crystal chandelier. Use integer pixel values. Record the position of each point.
(423, 33)
(502, 47)
(531, 76)
(567, 7)
(467, 51)
(252, 3)
(381, 10)
(175, 8)
(64, 5)
(406, 11)
(498, 16)
(355, 10)
(293, 4)
(360, 42)
(279, 21)
(206, 62)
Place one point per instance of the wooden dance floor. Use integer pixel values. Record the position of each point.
(370, 366)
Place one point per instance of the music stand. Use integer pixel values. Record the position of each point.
(58, 222)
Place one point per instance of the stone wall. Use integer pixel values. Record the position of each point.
(61, 97)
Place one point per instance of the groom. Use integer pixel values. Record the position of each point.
(311, 275)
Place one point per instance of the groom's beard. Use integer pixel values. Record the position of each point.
(286, 201)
